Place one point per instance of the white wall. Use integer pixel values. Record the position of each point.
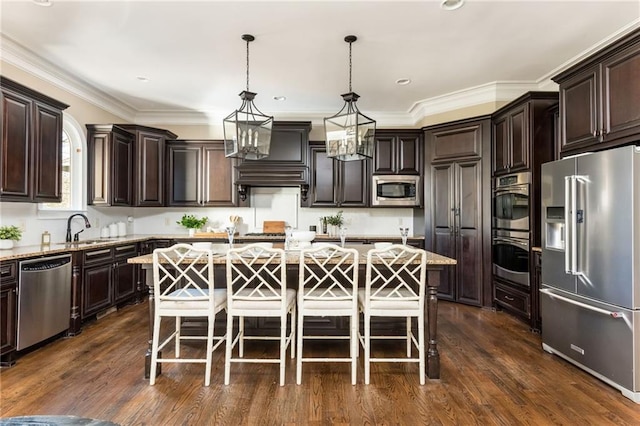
(266, 204)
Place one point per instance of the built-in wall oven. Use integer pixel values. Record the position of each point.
(511, 255)
(511, 201)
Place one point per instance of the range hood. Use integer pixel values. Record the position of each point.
(286, 164)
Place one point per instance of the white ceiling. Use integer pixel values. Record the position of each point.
(195, 60)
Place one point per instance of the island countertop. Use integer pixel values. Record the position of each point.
(293, 256)
(21, 252)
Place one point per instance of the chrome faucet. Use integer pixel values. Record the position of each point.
(75, 236)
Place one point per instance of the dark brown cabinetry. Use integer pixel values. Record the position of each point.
(336, 183)
(107, 278)
(398, 152)
(31, 153)
(521, 133)
(149, 167)
(457, 210)
(110, 169)
(200, 175)
(599, 98)
(8, 312)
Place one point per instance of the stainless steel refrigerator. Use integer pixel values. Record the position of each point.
(590, 294)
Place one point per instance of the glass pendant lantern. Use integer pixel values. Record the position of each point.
(247, 131)
(349, 133)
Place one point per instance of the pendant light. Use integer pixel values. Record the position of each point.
(349, 133)
(247, 131)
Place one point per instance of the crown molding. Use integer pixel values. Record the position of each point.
(17, 55)
(490, 92)
(592, 50)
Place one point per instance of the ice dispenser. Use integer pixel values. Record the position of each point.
(554, 228)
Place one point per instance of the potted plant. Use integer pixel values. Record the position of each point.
(9, 234)
(335, 221)
(191, 222)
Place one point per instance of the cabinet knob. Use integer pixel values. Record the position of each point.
(509, 298)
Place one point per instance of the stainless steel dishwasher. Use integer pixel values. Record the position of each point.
(44, 299)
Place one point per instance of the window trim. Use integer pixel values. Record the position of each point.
(77, 139)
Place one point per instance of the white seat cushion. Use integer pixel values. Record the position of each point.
(390, 303)
(326, 301)
(189, 303)
(262, 305)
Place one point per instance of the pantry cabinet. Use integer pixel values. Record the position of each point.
(457, 207)
(31, 146)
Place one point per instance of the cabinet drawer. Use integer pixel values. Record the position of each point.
(96, 256)
(8, 271)
(512, 299)
(126, 251)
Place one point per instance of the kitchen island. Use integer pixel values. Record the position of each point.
(435, 263)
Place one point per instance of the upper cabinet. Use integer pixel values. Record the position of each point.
(31, 152)
(522, 133)
(148, 164)
(398, 152)
(599, 99)
(336, 183)
(198, 174)
(110, 170)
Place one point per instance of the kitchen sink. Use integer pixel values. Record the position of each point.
(89, 242)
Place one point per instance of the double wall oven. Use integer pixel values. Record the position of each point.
(510, 244)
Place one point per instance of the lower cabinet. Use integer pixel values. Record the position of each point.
(8, 312)
(512, 298)
(107, 278)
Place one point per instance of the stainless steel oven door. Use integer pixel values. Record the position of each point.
(511, 256)
(511, 207)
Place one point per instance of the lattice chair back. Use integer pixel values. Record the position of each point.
(183, 275)
(395, 277)
(328, 274)
(255, 273)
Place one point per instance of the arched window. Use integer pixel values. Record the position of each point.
(72, 169)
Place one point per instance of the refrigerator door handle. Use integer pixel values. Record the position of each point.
(567, 224)
(612, 314)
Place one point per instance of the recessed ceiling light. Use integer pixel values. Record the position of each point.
(143, 79)
(403, 81)
(451, 4)
(43, 3)
(280, 98)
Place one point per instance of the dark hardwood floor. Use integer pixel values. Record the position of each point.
(493, 372)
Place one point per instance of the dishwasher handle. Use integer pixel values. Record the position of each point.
(44, 264)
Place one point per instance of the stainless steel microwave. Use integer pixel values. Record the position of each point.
(396, 190)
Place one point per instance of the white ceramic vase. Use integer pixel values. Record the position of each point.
(192, 232)
(6, 244)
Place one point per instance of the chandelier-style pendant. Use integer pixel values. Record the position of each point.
(247, 131)
(349, 133)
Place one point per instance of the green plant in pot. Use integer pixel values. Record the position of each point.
(191, 222)
(9, 234)
(336, 221)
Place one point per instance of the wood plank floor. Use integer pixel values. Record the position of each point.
(493, 372)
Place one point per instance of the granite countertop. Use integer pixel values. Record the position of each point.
(293, 256)
(538, 249)
(20, 252)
